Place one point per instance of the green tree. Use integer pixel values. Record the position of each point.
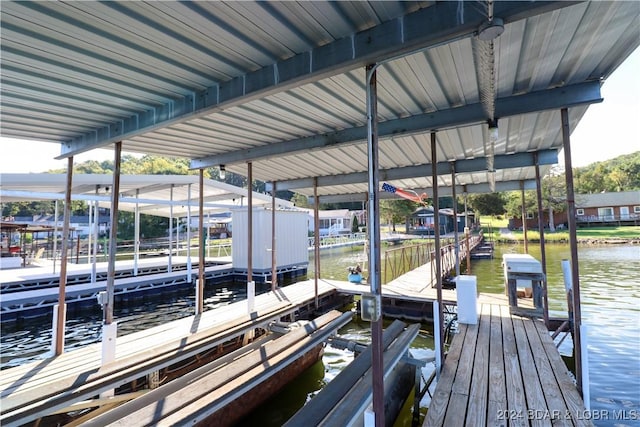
(355, 227)
(301, 201)
(554, 194)
(396, 210)
(513, 204)
(487, 204)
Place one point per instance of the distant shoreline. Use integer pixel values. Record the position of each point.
(592, 241)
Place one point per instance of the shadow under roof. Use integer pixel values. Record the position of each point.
(282, 84)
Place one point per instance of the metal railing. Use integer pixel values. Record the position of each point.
(401, 260)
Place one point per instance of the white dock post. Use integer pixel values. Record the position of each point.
(466, 292)
(109, 334)
(251, 296)
(369, 417)
(436, 338)
(54, 327)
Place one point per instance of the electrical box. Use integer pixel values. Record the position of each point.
(370, 307)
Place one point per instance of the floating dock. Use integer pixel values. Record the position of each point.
(505, 370)
(32, 292)
(41, 388)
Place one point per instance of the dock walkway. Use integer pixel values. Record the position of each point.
(504, 371)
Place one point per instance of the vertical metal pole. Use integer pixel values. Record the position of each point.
(61, 313)
(524, 219)
(466, 209)
(467, 232)
(55, 238)
(136, 241)
(316, 237)
(455, 217)
(274, 272)
(201, 230)
(113, 235)
(250, 222)
(373, 228)
(208, 237)
(189, 270)
(170, 266)
(543, 253)
(573, 240)
(96, 226)
(90, 233)
(436, 239)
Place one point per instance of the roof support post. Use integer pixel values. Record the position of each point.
(573, 240)
(55, 236)
(201, 241)
(250, 222)
(455, 217)
(316, 237)
(95, 230)
(61, 312)
(543, 254)
(436, 239)
(136, 241)
(90, 237)
(113, 235)
(170, 266)
(189, 272)
(524, 219)
(274, 272)
(373, 228)
(467, 231)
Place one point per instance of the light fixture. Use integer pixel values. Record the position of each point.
(493, 130)
(491, 29)
(223, 172)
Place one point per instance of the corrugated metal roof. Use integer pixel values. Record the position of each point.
(82, 72)
(160, 195)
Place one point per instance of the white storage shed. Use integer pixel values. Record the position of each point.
(291, 239)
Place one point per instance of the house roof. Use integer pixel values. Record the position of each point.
(332, 213)
(598, 200)
(282, 84)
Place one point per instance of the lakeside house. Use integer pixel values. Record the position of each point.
(336, 222)
(615, 208)
(420, 222)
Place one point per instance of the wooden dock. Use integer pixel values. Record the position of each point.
(504, 371)
(31, 391)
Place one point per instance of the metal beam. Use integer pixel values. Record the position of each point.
(505, 161)
(440, 23)
(550, 99)
(442, 191)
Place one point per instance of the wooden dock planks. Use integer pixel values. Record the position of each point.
(504, 371)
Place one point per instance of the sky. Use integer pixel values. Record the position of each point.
(607, 130)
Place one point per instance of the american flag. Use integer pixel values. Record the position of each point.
(388, 188)
(409, 195)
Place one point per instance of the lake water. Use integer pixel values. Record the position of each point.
(610, 295)
(610, 290)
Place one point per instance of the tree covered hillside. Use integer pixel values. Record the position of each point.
(619, 174)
